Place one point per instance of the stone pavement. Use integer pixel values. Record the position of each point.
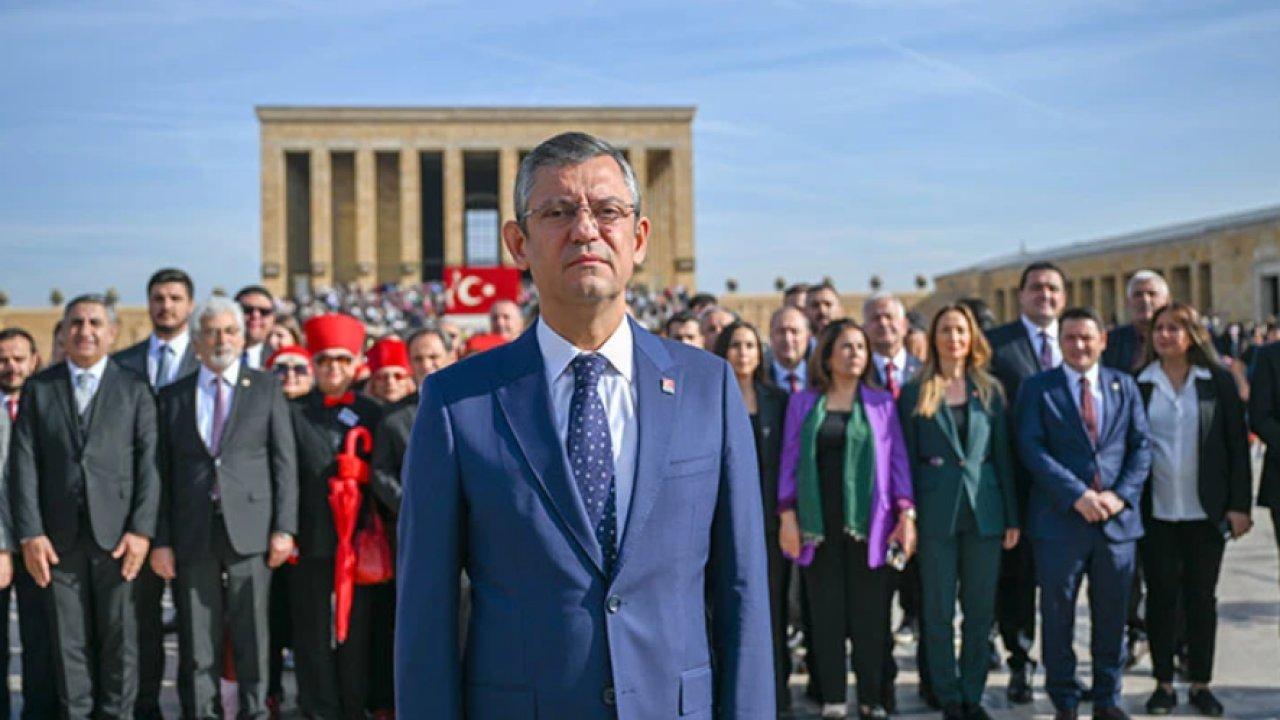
(1247, 668)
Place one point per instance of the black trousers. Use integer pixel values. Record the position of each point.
(148, 589)
(280, 627)
(205, 605)
(779, 584)
(333, 680)
(1016, 603)
(1182, 562)
(382, 636)
(95, 633)
(848, 600)
(35, 628)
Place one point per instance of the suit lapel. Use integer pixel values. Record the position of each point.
(65, 398)
(525, 400)
(104, 399)
(1061, 395)
(1112, 399)
(189, 363)
(239, 398)
(976, 436)
(656, 413)
(948, 426)
(1206, 400)
(1027, 350)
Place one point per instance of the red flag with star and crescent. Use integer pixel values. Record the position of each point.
(473, 290)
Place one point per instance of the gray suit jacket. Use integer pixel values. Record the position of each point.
(255, 469)
(6, 520)
(134, 359)
(108, 466)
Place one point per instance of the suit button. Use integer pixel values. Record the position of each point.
(610, 698)
(613, 604)
(217, 462)
(961, 462)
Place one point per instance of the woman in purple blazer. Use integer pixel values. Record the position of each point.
(844, 499)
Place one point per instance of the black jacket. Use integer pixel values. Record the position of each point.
(255, 469)
(1122, 343)
(134, 359)
(771, 410)
(108, 467)
(1264, 417)
(1014, 359)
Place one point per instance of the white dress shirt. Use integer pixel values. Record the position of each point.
(205, 399)
(780, 373)
(179, 345)
(1051, 336)
(899, 361)
(253, 356)
(1095, 389)
(617, 391)
(1175, 445)
(94, 372)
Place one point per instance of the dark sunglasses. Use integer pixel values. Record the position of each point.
(255, 310)
(283, 369)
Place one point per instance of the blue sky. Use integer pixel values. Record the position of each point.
(832, 138)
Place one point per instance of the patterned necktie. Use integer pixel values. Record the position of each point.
(162, 366)
(84, 392)
(591, 454)
(891, 381)
(1089, 414)
(219, 414)
(793, 382)
(1046, 352)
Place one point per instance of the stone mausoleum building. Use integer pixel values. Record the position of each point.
(1228, 266)
(393, 195)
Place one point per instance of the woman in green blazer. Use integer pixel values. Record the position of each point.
(953, 419)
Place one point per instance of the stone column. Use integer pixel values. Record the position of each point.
(454, 200)
(508, 165)
(410, 215)
(655, 260)
(321, 217)
(366, 216)
(275, 254)
(681, 217)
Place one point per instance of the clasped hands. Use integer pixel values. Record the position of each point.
(1097, 506)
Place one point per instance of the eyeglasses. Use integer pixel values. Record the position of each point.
(283, 369)
(562, 213)
(256, 310)
(331, 359)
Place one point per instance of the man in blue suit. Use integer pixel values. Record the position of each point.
(1082, 434)
(598, 485)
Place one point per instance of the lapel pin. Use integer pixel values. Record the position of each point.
(244, 382)
(669, 386)
(1115, 386)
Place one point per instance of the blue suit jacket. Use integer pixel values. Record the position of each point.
(1062, 461)
(682, 629)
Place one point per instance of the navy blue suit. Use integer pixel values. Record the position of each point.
(1062, 463)
(682, 627)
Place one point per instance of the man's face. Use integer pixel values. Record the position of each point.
(219, 341)
(259, 317)
(579, 258)
(335, 369)
(88, 334)
(796, 300)
(712, 323)
(169, 305)
(823, 307)
(1043, 296)
(886, 326)
(505, 320)
(1082, 344)
(428, 354)
(789, 337)
(1147, 297)
(17, 363)
(390, 384)
(686, 332)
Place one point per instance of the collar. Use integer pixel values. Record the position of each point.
(178, 343)
(95, 370)
(899, 360)
(1073, 377)
(1154, 374)
(230, 375)
(557, 352)
(800, 370)
(1034, 330)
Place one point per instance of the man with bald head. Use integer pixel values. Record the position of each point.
(505, 319)
(788, 344)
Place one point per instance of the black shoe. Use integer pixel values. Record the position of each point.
(1162, 702)
(148, 714)
(1086, 693)
(975, 711)
(993, 656)
(1110, 713)
(1020, 685)
(906, 632)
(1203, 700)
(875, 712)
(1070, 714)
(954, 711)
(890, 701)
(930, 698)
(1137, 650)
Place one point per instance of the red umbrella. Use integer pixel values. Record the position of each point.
(344, 501)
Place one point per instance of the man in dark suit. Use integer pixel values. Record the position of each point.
(788, 348)
(229, 506)
(1264, 419)
(1083, 437)
(597, 483)
(165, 356)
(1020, 349)
(1145, 293)
(19, 359)
(85, 493)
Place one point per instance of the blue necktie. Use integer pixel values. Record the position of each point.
(591, 454)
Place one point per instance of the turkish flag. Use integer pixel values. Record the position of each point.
(473, 290)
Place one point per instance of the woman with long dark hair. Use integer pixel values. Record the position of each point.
(845, 507)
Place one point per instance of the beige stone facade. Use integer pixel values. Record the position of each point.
(376, 195)
(757, 309)
(1228, 266)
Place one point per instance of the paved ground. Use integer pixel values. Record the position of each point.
(1247, 669)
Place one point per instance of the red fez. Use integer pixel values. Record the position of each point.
(390, 351)
(334, 331)
(484, 341)
(287, 351)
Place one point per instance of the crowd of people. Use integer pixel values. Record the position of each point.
(252, 455)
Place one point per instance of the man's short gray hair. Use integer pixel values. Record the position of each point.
(91, 299)
(571, 148)
(1145, 276)
(877, 297)
(218, 305)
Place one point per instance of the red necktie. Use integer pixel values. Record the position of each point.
(891, 382)
(793, 381)
(12, 404)
(1089, 414)
(345, 398)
